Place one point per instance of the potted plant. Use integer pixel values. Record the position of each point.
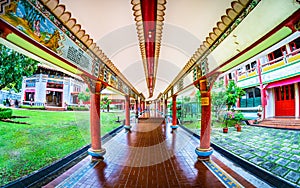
(232, 93)
(228, 118)
(238, 117)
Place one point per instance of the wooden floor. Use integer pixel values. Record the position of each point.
(150, 156)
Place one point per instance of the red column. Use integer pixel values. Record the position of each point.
(262, 90)
(136, 108)
(140, 105)
(155, 108)
(204, 151)
(174, 111)
(205, 121)
(162, 106)
(226, 79)
(166, 107)
(127, 113)
(96, 151)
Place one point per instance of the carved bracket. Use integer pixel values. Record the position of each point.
(206, 84)
(94, 86)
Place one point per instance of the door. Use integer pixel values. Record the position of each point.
(285, 100)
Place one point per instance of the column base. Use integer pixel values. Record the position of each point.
(127, 127)
(204, 154)
(97, 155)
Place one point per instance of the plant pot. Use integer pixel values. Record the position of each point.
(239, 128)
(225, 130)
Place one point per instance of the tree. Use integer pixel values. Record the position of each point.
(105, 102)
(218, 100)
(232, 93)
(218, 104)
(84, 95)
(13, 67)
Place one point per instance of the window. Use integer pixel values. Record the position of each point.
(287, 96)
(277, 53)
(292, 92)
(282, 93)
(294, 45)
(30, 83)
(277, 94)
(248, 67)
(253, 65)
(250, 95)
(257, 92)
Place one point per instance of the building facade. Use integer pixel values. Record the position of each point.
(51, 87)
(271, 79)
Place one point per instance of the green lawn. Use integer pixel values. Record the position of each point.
(48, 137)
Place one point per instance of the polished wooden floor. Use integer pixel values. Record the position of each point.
(150, 156)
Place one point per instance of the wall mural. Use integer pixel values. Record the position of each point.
(26, 18)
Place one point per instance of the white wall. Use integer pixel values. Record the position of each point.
(270, 107)
(297, 102)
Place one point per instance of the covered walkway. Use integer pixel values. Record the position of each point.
(151, 156)
(152, 51)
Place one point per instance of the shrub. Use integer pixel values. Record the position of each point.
(5, 113)
(33, 107)
(77, 108)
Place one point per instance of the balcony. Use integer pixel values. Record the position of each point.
(280, 68)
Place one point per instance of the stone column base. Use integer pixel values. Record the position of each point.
(97, 155)
(127, 127)
(204, 154)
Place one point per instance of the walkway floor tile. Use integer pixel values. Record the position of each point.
(151, 156)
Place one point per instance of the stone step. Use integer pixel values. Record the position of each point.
(291, 122)
(51, 108)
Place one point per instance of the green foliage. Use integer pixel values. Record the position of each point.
(186, 99)
(104, 103)
(84, 95)
(33, 107)
(218, 104)
(13, 67)
(238, 117)
(77, 108)
(232, 93)
(5, 113)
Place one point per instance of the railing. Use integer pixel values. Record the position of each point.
(250, 113)
(32, 103)
(275, 63)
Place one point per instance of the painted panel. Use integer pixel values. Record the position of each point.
(248, 82)
(29, 20)
(273, 66)
(285, 72)
(294, 58)
(252, 74)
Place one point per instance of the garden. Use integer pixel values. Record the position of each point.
(39, 138)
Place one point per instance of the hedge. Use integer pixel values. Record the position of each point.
(77, 108)
(33, 107)
(5, 113)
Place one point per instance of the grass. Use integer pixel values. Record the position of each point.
(48, 137)
(196, 125)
